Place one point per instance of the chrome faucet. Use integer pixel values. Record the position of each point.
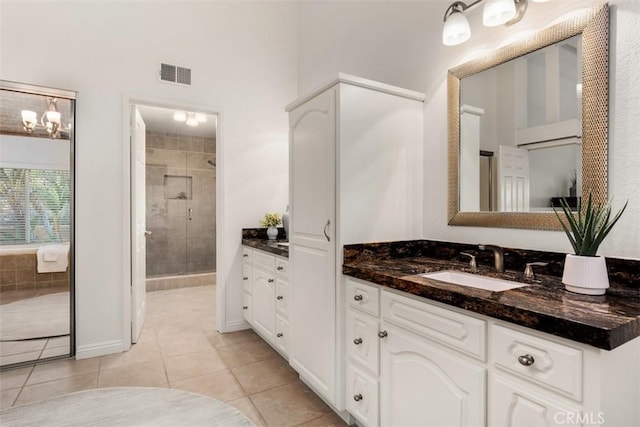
(498, 255)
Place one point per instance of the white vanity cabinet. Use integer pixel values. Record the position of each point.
(435, 365)
(344, 140)
(266, 296)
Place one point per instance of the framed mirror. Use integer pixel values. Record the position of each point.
(528, 125)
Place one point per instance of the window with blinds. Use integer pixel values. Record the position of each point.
(35, 206)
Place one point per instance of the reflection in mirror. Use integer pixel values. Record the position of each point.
(521, 132)
(528, 125)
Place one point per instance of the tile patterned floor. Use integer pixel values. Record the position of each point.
(180, 348)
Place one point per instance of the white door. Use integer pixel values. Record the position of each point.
(312, 242)
(423, 385)
(513, 179)
(264, 303)
(138, 214)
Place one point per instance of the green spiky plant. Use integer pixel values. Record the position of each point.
(589, 226)
(271, 220)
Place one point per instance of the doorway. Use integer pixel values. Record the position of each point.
(173, 202)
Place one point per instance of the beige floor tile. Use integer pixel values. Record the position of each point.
(231, 338)
(249, 410)
(62, 369)
(138, 353)
(289, 405)
(14, 378)
(21, 357)
(58, 342)
(9, 348)
(49, 389)
(246, 352)
(221, 385)
(261, 376)
(145, 374)
(188, 342)
(7, 397)
(53, 352)
(193, 365)
(327, 420)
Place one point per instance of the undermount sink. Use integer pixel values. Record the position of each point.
(473, 280)
(284, 244)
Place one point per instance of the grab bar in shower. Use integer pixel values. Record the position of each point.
(190, 214)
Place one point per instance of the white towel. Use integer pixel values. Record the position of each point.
(53, 258)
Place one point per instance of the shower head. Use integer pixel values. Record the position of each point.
(212, 163)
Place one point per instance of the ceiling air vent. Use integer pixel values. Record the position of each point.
(175, 74)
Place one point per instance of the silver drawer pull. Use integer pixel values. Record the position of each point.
(279, 335)
(279, 297)
(526, 360)
(357, 341)
(245, 278)
(280, 268)
(357, 297)
(357, 397)
(270, 280)
(382, 334)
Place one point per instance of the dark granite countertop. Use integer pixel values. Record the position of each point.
(606, 321)
(257, 238)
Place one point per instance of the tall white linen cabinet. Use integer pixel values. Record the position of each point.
(356, 175)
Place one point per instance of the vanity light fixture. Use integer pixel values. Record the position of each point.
(456, 28)
(50, 119)
(189, 118)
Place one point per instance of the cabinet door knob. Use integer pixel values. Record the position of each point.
(244, 307)
(279, 334)
(280, 268)
(357, 341)
(270, 280)
(279, 297)
(526, 360)
(357, 397)
(245, 278)
(357, 297)
(382, 334)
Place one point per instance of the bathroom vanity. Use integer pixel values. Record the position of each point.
(426, 352)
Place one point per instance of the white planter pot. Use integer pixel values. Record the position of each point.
(585, 275)
(272, 233)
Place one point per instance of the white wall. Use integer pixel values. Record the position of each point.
(243, 57)
(400, 44)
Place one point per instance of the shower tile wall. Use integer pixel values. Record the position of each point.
(178, 245)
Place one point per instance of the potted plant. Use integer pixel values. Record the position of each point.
(271, 221)
(585, 272)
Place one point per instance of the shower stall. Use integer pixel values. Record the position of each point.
(180, 206)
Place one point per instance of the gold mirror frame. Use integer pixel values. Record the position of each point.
(593, 24)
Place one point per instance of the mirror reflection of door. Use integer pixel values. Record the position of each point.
(36, 219)
(531, 103)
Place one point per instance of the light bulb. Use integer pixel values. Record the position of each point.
(201, 117)
(191, 120)
(29, 120)
(53, 117)
(497, 12)
(179, 116)
(456, 29)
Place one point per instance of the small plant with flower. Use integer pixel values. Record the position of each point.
(271, 220)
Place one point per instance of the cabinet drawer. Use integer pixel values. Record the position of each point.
(552, 365)
(464, 333)
(282, 335)
(362, 397)
(247, 255)
(247, 278)
(282, 267)
(363, 343)
(282, 298)
(515, 405)
(246, 307)
(264, 260)
(363, 296)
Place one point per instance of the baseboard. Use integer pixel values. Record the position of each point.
(98, 349)
(239, 325)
